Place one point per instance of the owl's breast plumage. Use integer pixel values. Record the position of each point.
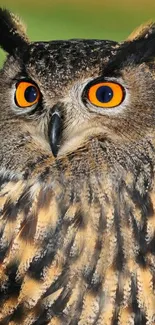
(77, 240)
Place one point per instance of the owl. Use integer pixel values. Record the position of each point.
(77, 185)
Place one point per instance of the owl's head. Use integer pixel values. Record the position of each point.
(57, 96)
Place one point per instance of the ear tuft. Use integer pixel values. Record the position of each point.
(138, 49)
(12, 32)
(143, 31)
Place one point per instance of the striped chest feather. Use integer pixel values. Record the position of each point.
(78, 247)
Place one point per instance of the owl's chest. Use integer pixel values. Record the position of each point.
(77, 253)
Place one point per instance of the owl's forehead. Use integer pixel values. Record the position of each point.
(67, 59)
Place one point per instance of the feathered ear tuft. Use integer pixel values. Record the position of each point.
(143, 31)
(137, 49)
(12, 32)
(142, 43)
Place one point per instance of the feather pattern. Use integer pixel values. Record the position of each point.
(82, 255)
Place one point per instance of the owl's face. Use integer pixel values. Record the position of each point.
(58, 96)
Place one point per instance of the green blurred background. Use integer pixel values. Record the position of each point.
(63, 19)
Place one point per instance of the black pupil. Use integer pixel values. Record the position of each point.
(31, 94)
(104, 94)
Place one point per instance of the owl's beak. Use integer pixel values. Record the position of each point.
(55, 131)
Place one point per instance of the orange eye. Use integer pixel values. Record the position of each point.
(106, 94)
(27, 94)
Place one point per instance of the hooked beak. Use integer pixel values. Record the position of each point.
(55, 130)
